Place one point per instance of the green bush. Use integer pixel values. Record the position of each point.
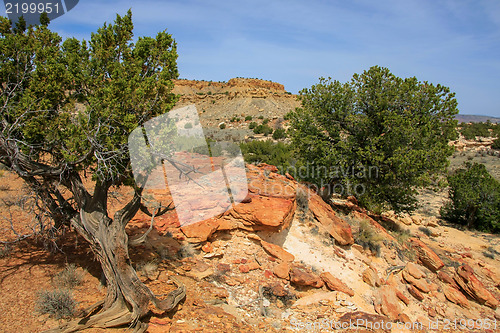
(235, 119)
(278, 154)
(471, 131)
(222, 126)
(279, 133)
(57, 303)
(496, 144)
(385, 135)
(474, 199)
(261, 117)
(265, 121)
(248, 118)
(263, 129)
(252, 125)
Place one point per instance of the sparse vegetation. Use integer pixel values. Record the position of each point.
(426, 231)
(57, 303)
(368, 238)
(188, 125)
(222, 126)
(263, 129)
(252, 125)
(69, 277)
(279, 133)
(248, 118)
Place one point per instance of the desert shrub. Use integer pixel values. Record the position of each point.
(302, 198)
(248, 118)
(278, 154)
(368, 238)
(263, 129)
(496, 144)
(471, 131)
(69, 277)
(474, 198)
(261, 117)
(57, 303)
(235, 119)
(426, 231)
(188, 125)
(252, 125)
(222, 126)
(186, 250)
(265, 121)
(279, 133)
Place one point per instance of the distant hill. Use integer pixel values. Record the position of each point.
(468, 118)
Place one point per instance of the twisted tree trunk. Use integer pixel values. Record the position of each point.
(127, 297)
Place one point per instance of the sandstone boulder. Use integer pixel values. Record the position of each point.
(426, 256)
(335, 226)
(455, 296)
(334, 283)
(302, 277)
(277, 251)
(389, 302)
(469, 283)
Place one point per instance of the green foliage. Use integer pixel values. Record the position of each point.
(398, 129)
(263, 129)
(252, 125)
(57, 303)
(265, 121)
(278, 154)
(235, 119)
(248, 118)
(496, 143)
(261, 117)
(474, 199)
(279, 133)
(222, 126)
(114, 83)
(473, 130)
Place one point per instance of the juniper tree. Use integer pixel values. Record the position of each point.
(67, 109)
(378, 136)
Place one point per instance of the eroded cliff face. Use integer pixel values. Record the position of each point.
(242, 86)
(220, 102)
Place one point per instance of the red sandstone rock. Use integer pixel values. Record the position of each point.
(420, 284)
(455, 296)
(414, 270)
(335, 284)
(415, 293)
(282, 270)
(336, 227)
(469, 283)
(277, 251)
(200, 231)
(389, 302)
(428, 258)
(302, 277)
(370, 276)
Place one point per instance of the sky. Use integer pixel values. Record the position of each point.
(295, 42)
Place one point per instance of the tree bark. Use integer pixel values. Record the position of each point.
(127, 297)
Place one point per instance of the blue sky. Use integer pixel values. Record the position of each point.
(452, 42)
